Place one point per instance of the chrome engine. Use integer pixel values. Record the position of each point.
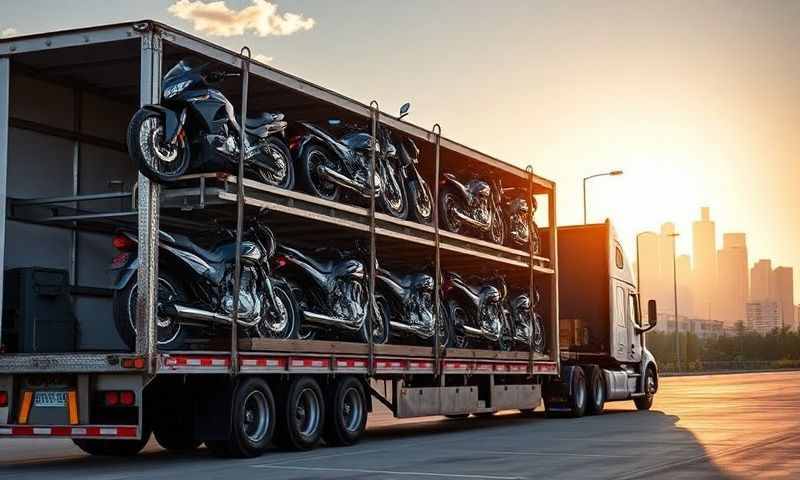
(249, 297)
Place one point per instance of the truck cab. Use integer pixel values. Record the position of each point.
(602, 329)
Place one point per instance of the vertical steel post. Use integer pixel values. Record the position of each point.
(531, 286)
(555, 348)
(237, 272)
(374, 113)
(437, 262)
(5, 82)
(77, 114)
(147, 281)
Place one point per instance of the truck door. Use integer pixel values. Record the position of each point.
(621, 345)
(634, 319)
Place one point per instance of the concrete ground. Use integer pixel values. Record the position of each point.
(726, 426)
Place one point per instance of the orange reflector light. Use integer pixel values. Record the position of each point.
(25, 408)
(72, 405)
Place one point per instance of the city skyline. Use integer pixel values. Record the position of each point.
(717, 282)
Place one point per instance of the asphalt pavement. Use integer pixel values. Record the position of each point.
(719, 426)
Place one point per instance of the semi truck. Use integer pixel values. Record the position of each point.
(67, 185)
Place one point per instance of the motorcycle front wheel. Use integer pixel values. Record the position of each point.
(448, 202)
(498, 229)
(457, 318)
(157, 160)
(421, 205)
(170, 334)
(281, 321)
(380, 327)
(278, 155)
(393, 194)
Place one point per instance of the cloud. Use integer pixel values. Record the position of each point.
(260, 57)
(8, 32)
(261, 18)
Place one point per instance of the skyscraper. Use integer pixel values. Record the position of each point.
(704, 253)
(649, 267)
(733, 283)
(782, 280)
(760, 280)
(685, 293)
(666, 250)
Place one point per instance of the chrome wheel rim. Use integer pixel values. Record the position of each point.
(423, 204)
(453, 223)
(276, 326)
(255, 416)
(352, 412)
(393, 194)
(281, 164)
(160, 157)
(307, 412)
(315, 160)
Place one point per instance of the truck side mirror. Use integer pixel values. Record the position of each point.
(652, 314)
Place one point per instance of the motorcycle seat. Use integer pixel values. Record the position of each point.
(325, 266)
(405, 281)
(218, 254)
(454, 277)
(265, 118)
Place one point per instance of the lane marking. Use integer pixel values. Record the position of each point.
(551, 454)
(387, 472)
(301, 458)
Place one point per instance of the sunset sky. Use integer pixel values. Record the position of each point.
(697, 101)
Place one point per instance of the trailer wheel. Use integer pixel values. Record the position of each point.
(650, 383)
(347, 412)
(113, 448)
(577, 401)
(252, 421)
(301, 415)
(597, 390)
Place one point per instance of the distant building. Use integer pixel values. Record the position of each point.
(783, 283)
(666, 251)
(763, 316)
(797, 317)
(704, 254)
(648, 267)
(760, 280)
(733, 282)
(700, 327)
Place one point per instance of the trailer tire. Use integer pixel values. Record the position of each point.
(578, 397)
(597, 391)
(253, 418)
(301, 415)
(347, 412)
(113, 448)
(650, 383)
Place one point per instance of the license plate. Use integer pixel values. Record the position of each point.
(50, 399)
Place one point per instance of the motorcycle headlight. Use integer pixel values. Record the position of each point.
(176, 89)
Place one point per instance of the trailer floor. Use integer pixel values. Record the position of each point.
(741, 426)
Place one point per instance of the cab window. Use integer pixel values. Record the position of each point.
(633, 310)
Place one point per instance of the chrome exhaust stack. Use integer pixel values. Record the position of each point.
(471, 221)
(192, 313)
(477, 332)
(322, 319)
(347, 182)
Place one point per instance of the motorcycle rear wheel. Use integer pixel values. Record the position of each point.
(156, 160)
(457, 317)
(396, 207)
(380, 328)
(170, 333)
(498, 230)
(448, 199)
(285, 327)
(277, 152)
(313, 157)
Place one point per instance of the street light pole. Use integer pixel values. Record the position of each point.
(612, 173)
(675, 297)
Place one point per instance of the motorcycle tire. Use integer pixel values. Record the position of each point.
(455, 320)
(277, 147)
(448, 198)
(284, 294)
(152, 163)
(382, 313)
(314, 156)
(445, 327)
(401, 209)
(497, 232)
(415, 191)
(124, 308)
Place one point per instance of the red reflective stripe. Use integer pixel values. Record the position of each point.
(69, 431)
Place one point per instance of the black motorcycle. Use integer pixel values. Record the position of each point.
(419, 195)
(327, 164)
(523, 327)
(195, 126)
(471, 206)
(407, 300)
(519, 215)
(332, 294)
(195, 288)
(476, 312)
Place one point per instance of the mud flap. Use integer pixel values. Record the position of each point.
(212, 420)
(558, 391)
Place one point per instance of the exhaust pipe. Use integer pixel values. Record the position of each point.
(403, 327)
(328, 320)
(472, 222)
(192, 313)
(477, 332)
(347, 182)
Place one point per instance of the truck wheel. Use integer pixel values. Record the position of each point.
(650, 383)
(577, 401)
(252, 421)
(597, 390)
(301, 415)
(347, 412)
(113, 448)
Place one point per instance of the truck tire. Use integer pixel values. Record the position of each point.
(253, 418)
(650, 382)
(597, 391)
(347, 412)
(577, 400)
(113, 448)
(301, 415)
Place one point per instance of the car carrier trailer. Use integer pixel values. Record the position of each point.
(67, 184)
